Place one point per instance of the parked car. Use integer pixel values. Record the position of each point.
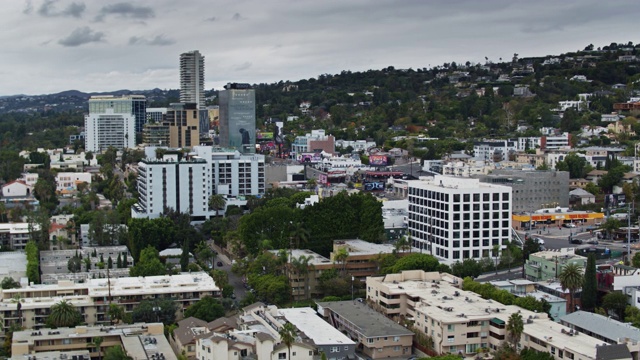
(592, 242)
(569, 225)
(575, 241)
(219, 263)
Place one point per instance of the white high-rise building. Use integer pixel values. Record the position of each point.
(185, 184)
(459, 218)
(103, 130)
(192, 78)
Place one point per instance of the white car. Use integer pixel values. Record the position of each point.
(539, 241)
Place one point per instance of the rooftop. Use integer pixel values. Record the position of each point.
(370, 323)
(440, 181)
(602, 325)
(316, 259)
(361, 247)
(566, 253)
(321, 332)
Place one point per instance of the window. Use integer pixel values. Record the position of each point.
(346, 348)
(396, 338)
(396, 348)
(370, 340)
(450, 338)
(292, 354)
(334, 349)
(282, 356)
(451, 327)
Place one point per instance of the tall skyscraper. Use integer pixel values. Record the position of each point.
(135, 105)
(238, 118)
(192, 78)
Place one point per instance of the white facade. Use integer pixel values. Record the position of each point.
(68, 181)
(178, 185)
(15, 235)
(231, 173)
(16, 189)
(357, 145)
(557, 142)
(186, 185)
(459, 218)
(109, 129)
(488, 150)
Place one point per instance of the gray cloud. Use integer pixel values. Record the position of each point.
(81, 36)
(158, 40)
(48, 9)
(126, 10)
(243, 66)
(237, 17)
(211, 19)
(28, 7)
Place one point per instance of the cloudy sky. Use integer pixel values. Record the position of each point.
(55, 45)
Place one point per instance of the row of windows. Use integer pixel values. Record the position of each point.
(443, 196)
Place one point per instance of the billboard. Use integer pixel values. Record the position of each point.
(310, 158)
(615, 200)
(373, 186)
(277, 131)
(378, 160)
(263, 135)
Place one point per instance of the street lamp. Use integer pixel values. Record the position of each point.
(352, 278)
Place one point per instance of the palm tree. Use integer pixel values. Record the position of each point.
(288, 334)
(96, 342)
(299, 234)
(515, 326)
(64, 314)
(17, 299)
(496, 254)
(402, 244)
(303, 267)
(217, 202)
(341, 257)
(571, 279)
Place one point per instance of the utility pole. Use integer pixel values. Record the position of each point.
(629, 232)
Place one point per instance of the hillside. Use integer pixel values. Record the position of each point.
(450, 101)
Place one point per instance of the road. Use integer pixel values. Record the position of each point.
(234, 280)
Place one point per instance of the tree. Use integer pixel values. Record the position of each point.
(515, 326)
(156, 310)
(617, 302)
(288, 333)
(341, 257)
(9, 283)
(207, 309)
(96, 343)
(635, 261)
(571, 279)
(217, 202)
(149, 264)
(64, 314)
(590, 285)
(576, 165)
(184, 256)
(632, 315)
(116, 353)
(116, 313)
(496, 255)
(299, 234)
(303, 266)
(74, 264)
(468, 267)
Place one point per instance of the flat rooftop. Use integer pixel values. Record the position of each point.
(361, 247)
(318, 330)
(12, 262)
(438, 182)
(565, 253)
(602, 325)
(315, 258)
(370, 323)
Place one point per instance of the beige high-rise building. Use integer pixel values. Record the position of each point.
(183, 122)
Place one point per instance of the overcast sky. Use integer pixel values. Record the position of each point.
(55, 45)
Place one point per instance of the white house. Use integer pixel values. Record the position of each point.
(17, 188)
(68, 181)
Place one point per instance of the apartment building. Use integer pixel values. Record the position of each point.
(314, 335)
(92, 297)
(377, 336)
(459, 218)
(183, 122)
(316, 141)
(362, 259)
(185, 183)
(546, 265)
(461, 322)
(233, 173)
(305, 281)
(109, 129)
(15, 235)
(604, 328)
(139, 341)
(54, 265)
(134, 105)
